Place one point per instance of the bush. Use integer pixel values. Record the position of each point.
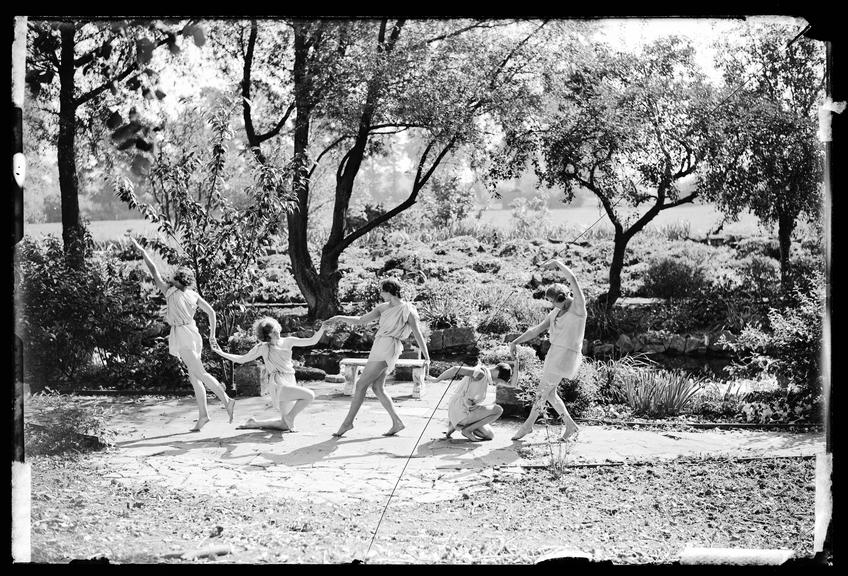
(578, 393)
(97, 321)
(614, 373)
(672, 278)
(57, 423)
(789, 348)
(660, 393)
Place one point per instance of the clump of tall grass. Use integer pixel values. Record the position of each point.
(614, 373)
(660, 393)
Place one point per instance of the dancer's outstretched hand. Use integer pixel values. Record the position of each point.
(553, 263)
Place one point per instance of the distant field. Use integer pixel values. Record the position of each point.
(700, 219)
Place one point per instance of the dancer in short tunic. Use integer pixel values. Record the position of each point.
(466, 412)
(278, 382)
(184, 340)
(397, 320)
(566, 324)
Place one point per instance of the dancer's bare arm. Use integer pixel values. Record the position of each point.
(210, 312)
(579, 299)
(455, 371)
(529, 334)
(416, 332)
(356, 320)
(154, 272)
(252, 354)
(312, 340)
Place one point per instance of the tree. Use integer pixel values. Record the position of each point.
(627, 127)
(768, 159)
(89, 61)
(205, 232)
(354, 85)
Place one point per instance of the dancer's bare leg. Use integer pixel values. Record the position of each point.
(386, 401)
(570, 427)
(370, 374)
(484, 433)
(200, 397)
(195, 366)
(482, 416)
(301, 397)
(272, 424)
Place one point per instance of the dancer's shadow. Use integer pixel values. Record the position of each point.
(145, 439)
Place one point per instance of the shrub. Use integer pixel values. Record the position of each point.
(100, 312)
(445, 305)
(672, 278)
(614, 373)
(578, 393)
(58, 423)
(660, 393)
(760, 274)
(789, 347)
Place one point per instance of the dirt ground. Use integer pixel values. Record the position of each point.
(627, 514)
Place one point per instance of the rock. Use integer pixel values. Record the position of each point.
(308, 373)
(335, 378)
(624, 344)
(454, 337)
(696, 343)
(505, 396)
(436, 341)
(604, 349)
(677, 344)
(246, 379)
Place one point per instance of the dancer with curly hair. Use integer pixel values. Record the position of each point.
(184, 340)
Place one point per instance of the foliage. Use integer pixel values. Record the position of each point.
(660, 393)
(56, 423)
(219, 242)
(102, 311)
(789, 347)
(447, 202)
(672, 278)
(768, 159)
(446, 305)
(528, 216)
(613, 375)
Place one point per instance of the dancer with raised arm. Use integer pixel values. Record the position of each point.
(280, 385)
(397, 320)
(185, 341)
(566, 324)
(465, 409)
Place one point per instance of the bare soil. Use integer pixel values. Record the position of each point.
(628, 514)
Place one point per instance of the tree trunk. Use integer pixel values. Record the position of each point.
(785, 226)
(616, 266)
(72, 229)
(320, 291)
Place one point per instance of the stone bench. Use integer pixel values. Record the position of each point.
(352, 368)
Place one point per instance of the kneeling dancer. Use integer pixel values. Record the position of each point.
(465, 411)
(280, 385)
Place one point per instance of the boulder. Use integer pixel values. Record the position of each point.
(246, 379)
(335, 378)
(308, 373)
(624, 344)
(456, 337)
(436, 341)
(696, 343)
(677, 344)
(505, 396)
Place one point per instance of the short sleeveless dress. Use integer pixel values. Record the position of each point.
(278, 372)
(392, 331)
(566, 351)
(181, 307)
(468, 388)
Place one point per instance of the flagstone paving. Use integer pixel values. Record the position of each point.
(154, 444)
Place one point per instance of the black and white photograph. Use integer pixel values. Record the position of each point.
(420, 290)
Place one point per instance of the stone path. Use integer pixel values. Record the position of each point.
(154, 444)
